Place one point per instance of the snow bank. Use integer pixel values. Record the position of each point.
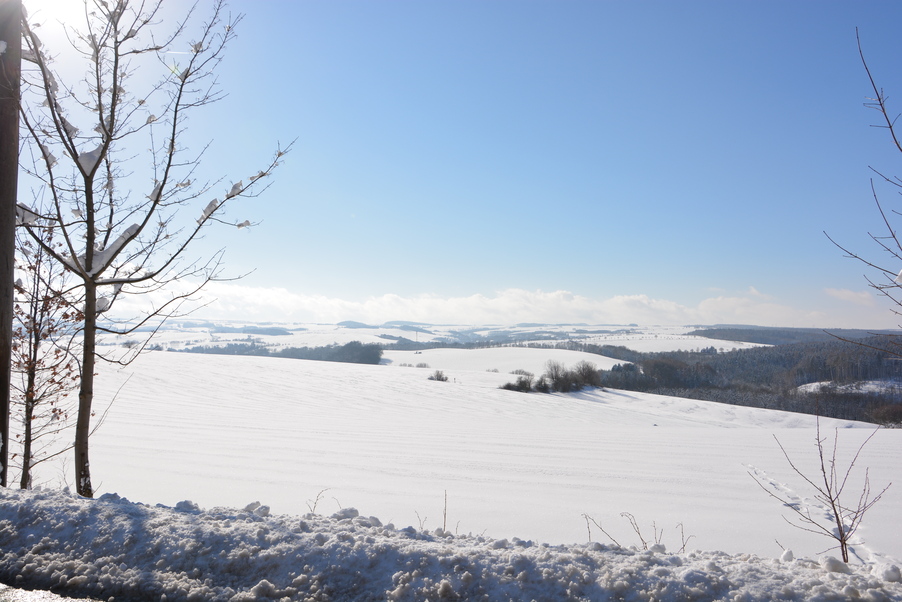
(111, 547)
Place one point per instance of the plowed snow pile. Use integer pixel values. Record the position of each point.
(112, 548)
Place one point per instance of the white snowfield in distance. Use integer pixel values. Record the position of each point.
(187, 333)
(502, 359)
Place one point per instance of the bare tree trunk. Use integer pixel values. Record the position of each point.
(10, 62)
(86, 394)
(25, 480)
(31, 383)
(34, 345)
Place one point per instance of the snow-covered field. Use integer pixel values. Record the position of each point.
(207, 435)
(185, 334)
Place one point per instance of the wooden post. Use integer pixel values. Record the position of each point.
(10, 73)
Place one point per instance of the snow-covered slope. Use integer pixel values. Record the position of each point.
(298, 436)
(229, 430)
(500, 359)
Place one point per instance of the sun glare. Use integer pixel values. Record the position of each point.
(54, 11)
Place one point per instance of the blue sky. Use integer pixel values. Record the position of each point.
(475, 161)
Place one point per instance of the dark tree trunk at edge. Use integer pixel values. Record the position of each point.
(10, 65)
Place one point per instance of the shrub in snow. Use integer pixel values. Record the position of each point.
(439, 376)
(542, 385)
(888, 415)
(586, 374)
(557, 376)
(564, 380)
(523, 384)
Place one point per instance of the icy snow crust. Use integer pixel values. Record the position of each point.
(111, 547)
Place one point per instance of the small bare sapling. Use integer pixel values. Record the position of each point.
(829, 486)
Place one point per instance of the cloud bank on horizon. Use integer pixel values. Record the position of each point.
(231, 301)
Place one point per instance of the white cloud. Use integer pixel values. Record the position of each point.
(864, 298)
(235, 301)
(240, 302)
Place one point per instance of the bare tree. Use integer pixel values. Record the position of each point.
(10, 63)
(829, 486)
(887, 278)
(116, 181)
(586, 374)
(556, 372)
(44, 362)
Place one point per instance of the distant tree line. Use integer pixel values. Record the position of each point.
(784, 336)
(764, 377)
(354, 352)
(273, 331)
(770, 377)
(780, 366)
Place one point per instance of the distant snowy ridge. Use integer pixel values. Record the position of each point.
(112, 548)
(870, 386)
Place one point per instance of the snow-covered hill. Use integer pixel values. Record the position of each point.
(179, 335)
(521, 473)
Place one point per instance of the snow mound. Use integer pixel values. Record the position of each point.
(111, 547)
